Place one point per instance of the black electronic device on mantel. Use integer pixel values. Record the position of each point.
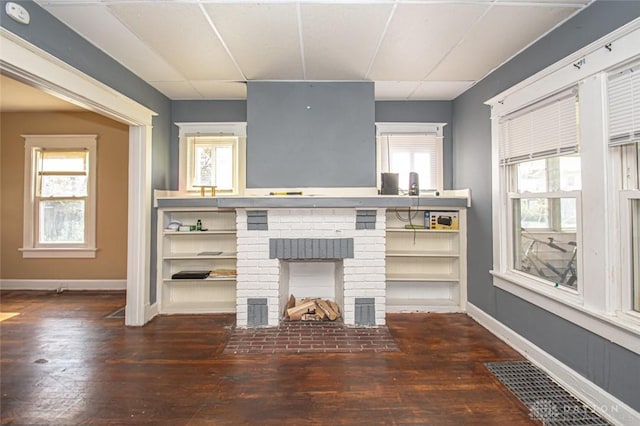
(414, 186)
(389, 184)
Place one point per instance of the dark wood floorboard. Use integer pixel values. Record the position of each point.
(63, 363)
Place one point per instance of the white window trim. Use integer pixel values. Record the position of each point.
(596, 308)
(561, 292)
(436, 128)
(627, 274)
(30, 248)
(238, 129)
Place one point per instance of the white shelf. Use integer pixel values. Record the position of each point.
(422, 305)
(425, 268)
(424, 231)
(421, 278)
(204, 280)
(208, 232)
(179, 250)
(200, 308)
(415, 253)
(196, 256)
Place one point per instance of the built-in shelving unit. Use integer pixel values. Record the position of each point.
(425, 268)
(211, 249)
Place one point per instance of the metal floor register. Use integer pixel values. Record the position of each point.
(546, 400)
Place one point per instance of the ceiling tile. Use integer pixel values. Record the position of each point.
(113, 38)
(503, 32)
(180, 33)
(263, 38)
(394, 90)
(419, 36)
(215, 89)
(440, 90)
(176, 89)
(340, 39)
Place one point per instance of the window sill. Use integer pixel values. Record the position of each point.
(565, 304)
(58, 253)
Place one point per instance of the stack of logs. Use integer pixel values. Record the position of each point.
(311, 310)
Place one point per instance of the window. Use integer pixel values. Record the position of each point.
(544, 209)
(635, 254)
(212, 160)
(538, 146)
(212, 154)
(623, 99)
(60, 200)
(405, 148)
(565, 170)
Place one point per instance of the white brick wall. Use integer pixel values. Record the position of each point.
(259, 276)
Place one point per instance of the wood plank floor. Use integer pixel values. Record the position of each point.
(63, 362)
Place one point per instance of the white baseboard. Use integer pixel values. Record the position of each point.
(597, 398)
(11, 284)
(150, 311)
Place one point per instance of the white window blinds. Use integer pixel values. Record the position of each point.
(548, 128)
(412, 152)
(624, 106)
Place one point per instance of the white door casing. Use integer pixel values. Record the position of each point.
(32, 65)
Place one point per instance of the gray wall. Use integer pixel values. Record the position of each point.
(310, 134)
(610, 366)
(52, 36)
(385, 111)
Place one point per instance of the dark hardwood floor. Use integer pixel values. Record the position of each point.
(63, 362)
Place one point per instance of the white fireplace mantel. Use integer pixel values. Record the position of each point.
(175, 199)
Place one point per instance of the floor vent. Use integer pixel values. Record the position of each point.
(546, 400)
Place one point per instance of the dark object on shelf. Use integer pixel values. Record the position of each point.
(190, 275)
(414, 186)
(389, 184)
(445, 220)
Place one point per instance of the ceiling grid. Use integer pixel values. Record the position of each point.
(410, 49)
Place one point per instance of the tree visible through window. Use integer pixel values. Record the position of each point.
(213, 161)
(62, 191)
(60, 196)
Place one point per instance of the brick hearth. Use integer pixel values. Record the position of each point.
(298, 337)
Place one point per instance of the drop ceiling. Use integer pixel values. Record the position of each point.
(411, 49)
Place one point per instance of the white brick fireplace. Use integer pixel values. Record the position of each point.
(270, 240)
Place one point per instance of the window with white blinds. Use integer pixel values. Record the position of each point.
(548, 128)
(624, 105)
(403, 153)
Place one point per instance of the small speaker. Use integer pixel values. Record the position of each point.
(389, 184)
(414, 186)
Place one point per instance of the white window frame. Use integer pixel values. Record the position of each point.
(411, 128)
(30, 246)
(602, 304)
(507, 176)
(627, 274)
(232, 129)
